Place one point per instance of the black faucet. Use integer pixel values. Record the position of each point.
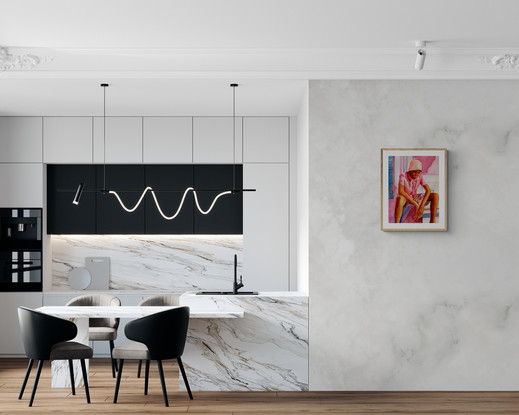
(236, 285)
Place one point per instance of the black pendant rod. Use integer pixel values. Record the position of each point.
(234, 86)
(104, 138)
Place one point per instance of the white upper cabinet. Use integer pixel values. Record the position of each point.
(265, 139)
(213, 140)
(266, 227)
(67, 140)
(21, 185)
(123, 141)
(167, 139)
(21, 139)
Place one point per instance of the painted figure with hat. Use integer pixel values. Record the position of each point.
(409, 184)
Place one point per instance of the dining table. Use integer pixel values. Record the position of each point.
(60, 375)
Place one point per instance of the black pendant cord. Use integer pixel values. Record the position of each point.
(104, 138)
(234, 137)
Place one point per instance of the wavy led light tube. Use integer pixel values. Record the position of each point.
(203, 212)
(136, 205)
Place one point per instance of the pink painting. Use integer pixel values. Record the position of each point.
(414, 188)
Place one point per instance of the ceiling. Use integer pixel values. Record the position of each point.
(171, 57)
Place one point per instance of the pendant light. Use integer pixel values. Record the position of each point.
(186, 191)
(78, 194)
(104, 86)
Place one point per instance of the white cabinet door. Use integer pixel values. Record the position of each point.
(213, 140)
(21, 184)
(167, 140)
(67, 140)
(266, 227)
(21, 139)
(11, 338)
(265, 139)
(123, 141)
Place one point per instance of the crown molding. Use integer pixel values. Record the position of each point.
(505, 61)
(24, 62)
(307, 63)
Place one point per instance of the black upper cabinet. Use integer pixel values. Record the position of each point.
(128, 182)
(169, 183)
(63, 217)
(99, 213)
(226, 217)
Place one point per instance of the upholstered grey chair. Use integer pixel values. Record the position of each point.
(159, 336)
(161, 300)
(158, 301)
(101, 328)
(45, 338)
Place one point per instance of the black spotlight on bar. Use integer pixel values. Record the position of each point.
(79, 192)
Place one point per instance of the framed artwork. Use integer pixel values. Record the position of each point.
(414, 189)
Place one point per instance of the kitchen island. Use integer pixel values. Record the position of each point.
(235, 343)
(266, 350)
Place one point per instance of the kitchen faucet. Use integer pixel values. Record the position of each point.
(236, 285)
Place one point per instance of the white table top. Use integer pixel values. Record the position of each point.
(129, 312)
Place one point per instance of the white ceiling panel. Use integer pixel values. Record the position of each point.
(177, 57)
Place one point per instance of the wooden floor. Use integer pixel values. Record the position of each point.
(132, 400)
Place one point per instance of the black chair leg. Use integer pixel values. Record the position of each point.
(163, 382)
(181, 366)
(114, 363)
(119, 373)
(139, 369)
(72, 382)
(146, 376)
(38, 372)
(85, 380)
(31, 361)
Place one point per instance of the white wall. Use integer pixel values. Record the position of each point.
(302, 195)
(414, 310)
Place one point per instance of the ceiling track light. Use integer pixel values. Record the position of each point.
(420, 55)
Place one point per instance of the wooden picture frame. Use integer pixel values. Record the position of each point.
(406, 173)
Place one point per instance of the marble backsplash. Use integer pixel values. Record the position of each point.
(141, 262)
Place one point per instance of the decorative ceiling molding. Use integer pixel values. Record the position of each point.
(10, 62)
(506, 61)
(283, 63)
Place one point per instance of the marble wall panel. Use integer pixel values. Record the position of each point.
(414, 310)
(172, 263)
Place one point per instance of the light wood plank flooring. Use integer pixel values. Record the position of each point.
(132, 400)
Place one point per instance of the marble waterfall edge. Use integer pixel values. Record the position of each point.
(158, 262)
(267, 350)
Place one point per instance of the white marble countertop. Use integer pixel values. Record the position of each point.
(152, 292)
(260, 294)
(132, 311)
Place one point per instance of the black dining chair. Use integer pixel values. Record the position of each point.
(45, 338)
(158, 301)
(159, 336)
(100, 328)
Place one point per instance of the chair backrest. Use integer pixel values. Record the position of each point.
(41, 331)
(161, 300)
(164, 333)
(98, 300)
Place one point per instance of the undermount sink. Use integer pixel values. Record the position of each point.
(226, 293)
